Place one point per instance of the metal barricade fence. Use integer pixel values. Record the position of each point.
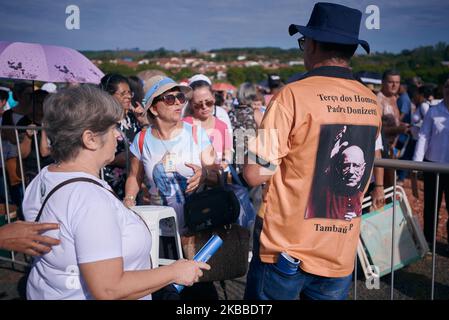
(6, 185)
(414, 166)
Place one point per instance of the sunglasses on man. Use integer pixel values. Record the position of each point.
(170, 99)
(301, 42)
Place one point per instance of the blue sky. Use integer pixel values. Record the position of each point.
(210, 24)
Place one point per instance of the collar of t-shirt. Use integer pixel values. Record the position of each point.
(330, 71)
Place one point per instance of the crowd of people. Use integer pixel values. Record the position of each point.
(415, 127)
(134, 142)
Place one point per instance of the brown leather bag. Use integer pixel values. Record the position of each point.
(230, 261)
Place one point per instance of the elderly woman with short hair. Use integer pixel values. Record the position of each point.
(105, 248)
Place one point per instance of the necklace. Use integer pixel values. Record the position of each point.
(169, 158)
(64, 167)
(162, 140)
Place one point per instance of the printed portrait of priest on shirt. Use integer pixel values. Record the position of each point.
(341, 177)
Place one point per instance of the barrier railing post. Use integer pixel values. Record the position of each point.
(392, 237)
(355, 277)
(20, 159)
(36, 148)
(434, 240)
(5, 184)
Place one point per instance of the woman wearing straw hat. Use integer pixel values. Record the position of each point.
(175, 156)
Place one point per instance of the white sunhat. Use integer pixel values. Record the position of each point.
(49, 87)
(199, 77)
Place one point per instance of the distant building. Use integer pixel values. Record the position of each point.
(96, 62)
(296, 63)
(131, 64)
(221, 75)
(251, 64)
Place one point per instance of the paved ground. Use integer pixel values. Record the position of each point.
(11, 277)
(410, 282)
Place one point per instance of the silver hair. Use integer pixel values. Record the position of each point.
(71, 111)
(246, 93)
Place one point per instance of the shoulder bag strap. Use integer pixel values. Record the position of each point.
(59, 186)
(195, 133)
(142, 139)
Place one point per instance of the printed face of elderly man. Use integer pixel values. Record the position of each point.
(352, 167)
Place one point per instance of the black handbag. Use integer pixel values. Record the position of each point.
(210, 208)
(231, 259)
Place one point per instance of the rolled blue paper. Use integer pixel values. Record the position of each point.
(207, 251)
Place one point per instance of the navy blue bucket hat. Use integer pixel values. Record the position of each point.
(332, 23)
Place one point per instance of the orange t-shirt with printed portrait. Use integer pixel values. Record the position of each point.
(318, 136)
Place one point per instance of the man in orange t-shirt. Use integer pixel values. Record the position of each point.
(315, 150)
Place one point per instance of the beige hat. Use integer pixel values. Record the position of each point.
(157, 85)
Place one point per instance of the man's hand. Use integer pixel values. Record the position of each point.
(378, 197)
(30, 132)
(26, 237)
(403, 128)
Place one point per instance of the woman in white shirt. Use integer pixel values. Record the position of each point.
(104, 250)
(174, 156)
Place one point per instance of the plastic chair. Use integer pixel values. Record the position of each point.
(152, 216)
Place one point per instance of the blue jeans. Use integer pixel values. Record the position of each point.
(266, 282)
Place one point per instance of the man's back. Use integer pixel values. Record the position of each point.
(315, 119)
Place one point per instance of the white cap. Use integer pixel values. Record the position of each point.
(49, 87)
(199, 77)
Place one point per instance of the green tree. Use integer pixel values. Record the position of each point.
(116, 68)
(236, 76)
(184, 73)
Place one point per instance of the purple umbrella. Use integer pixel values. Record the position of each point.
(32, 61)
